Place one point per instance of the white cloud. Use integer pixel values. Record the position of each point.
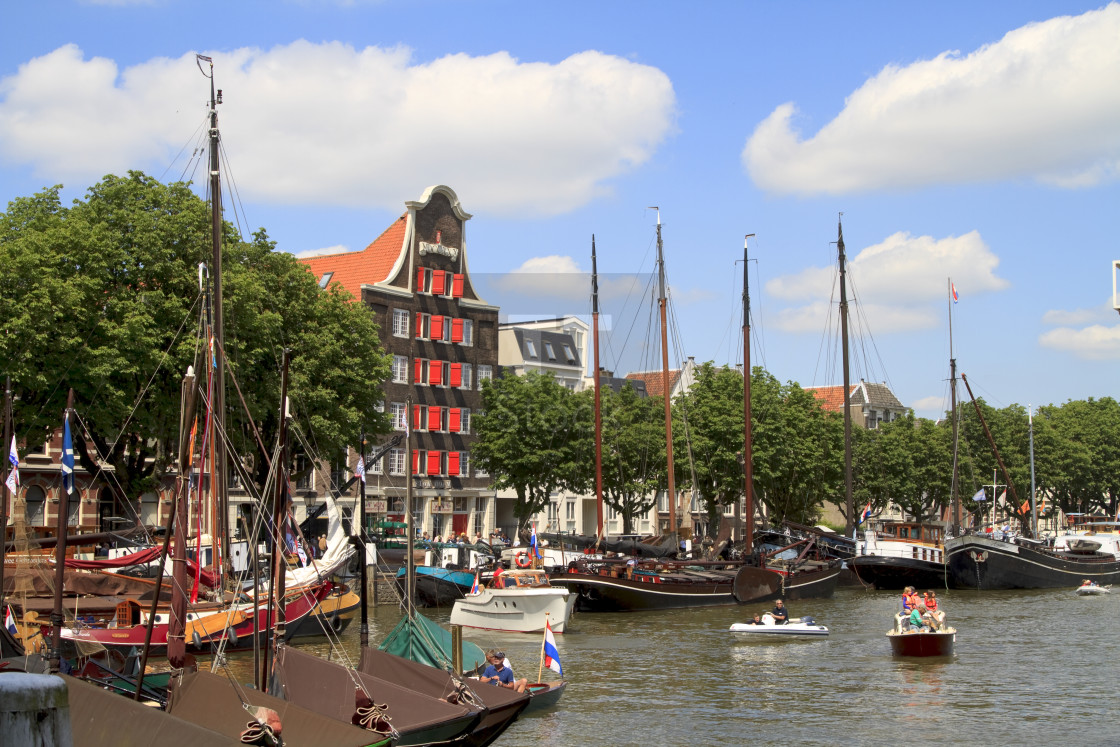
(1097, 342)
(931, 404)
(559, 277)
(901, 283)
(1041, 103)
(1078, 317)
(329, 124)
(336, 249)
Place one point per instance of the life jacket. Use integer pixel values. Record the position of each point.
(931, 604)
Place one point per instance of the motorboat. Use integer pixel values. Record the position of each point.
(1092, 590)
(909, 642)
(801, 626)
(516, 601)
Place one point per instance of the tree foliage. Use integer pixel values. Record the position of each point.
(103, 296)
(633, 438)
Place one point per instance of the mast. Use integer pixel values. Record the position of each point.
(279, 513)
(954, 490)
(409, 561)
(1034, 510)
(60, 548)
(6, 444)
(849, 508)
(598, 411)
(661, 302)
(220, 529)
(363, 630)
(995, 450)
(748, 452)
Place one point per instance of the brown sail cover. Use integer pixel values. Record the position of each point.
(210, 699)
(503, 705)
(328, 688)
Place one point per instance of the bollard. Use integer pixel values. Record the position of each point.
(34, 710)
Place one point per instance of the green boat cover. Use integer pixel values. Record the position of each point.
(424, 641)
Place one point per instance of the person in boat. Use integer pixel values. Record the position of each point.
(501, 675)
(1088, 582)
(917, 623)
(909, 599)
(780, 613)
(936, 615)
(756, 621)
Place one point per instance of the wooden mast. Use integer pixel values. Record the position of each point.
(279, 516)
(748, 467)
(60, 549)
(598, 411)
(360, 545)
(954, 490)
(220, 527)
(8, 441)
(661, 302)
(848, 505)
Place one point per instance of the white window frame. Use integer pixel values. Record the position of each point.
(530, 349)
(485, 373)
(401, 322)
(468, 333)
(400, 369)
(398, 411)
(468, 372)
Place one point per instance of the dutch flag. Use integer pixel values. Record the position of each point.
(533, 544)
(474, 587)
(551, 655)
(866, 513)
(10, 620)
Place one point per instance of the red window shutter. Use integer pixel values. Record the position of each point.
(420, 273)
(435, 373)
(454, 420)
(419, 325)
(457, 286)
(416, 461)
(456, 378)
(418, 371)
(452, 462)
(439, 283)
(417, 417)
(456, 330)
(434, 462)
(435, 418)
(437, 328)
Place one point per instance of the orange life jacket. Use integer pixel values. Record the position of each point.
(931, 604)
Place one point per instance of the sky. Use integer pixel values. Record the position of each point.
(963, 142)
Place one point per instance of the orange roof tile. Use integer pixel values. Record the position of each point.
(370, 265)
(655, 381)
(832, 397)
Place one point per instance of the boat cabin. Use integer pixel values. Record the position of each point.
(912, 532)
(521, 579)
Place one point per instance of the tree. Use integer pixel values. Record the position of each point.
(633, 440)
(529, 439)
(907, 462)
(709, 426)
(103, 295)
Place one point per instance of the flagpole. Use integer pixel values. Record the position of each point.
(8, 442)
(544, 637)
(60, 548)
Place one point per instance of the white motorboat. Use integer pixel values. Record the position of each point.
(517, 601)
(1090, 590)
(802, 626)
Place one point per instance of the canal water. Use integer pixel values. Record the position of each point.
(1029, 666)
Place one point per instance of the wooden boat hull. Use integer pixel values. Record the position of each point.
(606, 593)
(335, 613)
(544, 695)
(922, 644)
(985, 564)
(817, 583)
(886, 572)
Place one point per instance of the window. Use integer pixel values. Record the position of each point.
(485, 373)
(548, 351)
(468, 332)
(569, 353)
(423, 279)
(466, 378)
(36, 498)
(453, 463)
(400, 369)
(456, 286)
(479, 472)
(436, 419)
(439, 282)
(400, 322)
(464, 463)
(530, 349)
(465, 415)
(435, 463)
(438, 373)
(376, 467)
(570, 510)
(420, 371)
(399, 413)
(396, 461)
(323, 281)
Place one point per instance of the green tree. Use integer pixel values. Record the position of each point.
(633, 441)
(907, 462)
(531, 439)
(104, 297)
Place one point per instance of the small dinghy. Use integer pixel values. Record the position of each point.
(1092, 590)
(802, 626)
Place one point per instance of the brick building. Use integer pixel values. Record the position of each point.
(444, 342)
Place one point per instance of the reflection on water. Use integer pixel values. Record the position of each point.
(1020, 671)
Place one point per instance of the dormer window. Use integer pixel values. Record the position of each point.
(325, 279)
(549, 351)
(571, 356)
(530, 349)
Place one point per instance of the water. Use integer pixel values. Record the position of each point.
(1028, 664)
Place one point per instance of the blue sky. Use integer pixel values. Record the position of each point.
(979, 141)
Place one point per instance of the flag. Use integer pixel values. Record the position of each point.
(1025, 507)
(866, 513)
(953, 291)
(361, 468)
(980, 495)
(13, 473)
(474, 587)
(551, 655)
(67, 457)
(533, 544)
(10, 621)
